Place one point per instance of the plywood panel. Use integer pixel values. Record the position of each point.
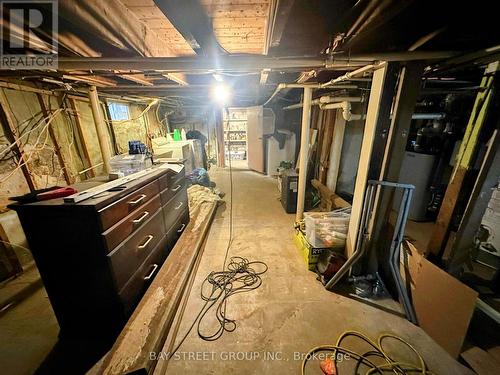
(151, 15)
(444, 305)
(239, 25)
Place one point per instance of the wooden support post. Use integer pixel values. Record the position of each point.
(7, 119)
(408, 90)
(328, 130)
(304, 152)
(53, 138)
(219, 134)
(335, 150)
(81, 137)
(463, 161)
(476, 207)
(101, 128)
(379, 99)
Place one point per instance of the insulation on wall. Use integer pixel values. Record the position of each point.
(89, 134)
(32, 131)
(76, 147)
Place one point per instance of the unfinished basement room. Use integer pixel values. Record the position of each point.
(243, 187)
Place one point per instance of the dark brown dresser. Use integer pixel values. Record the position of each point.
(98, 256)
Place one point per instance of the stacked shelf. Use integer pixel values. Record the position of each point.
(235, 135)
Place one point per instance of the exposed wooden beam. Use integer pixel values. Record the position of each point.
(190, 64)
(122, 28)
(93, 80)
(53, 138)
(242, 62)
(279, 21)
(79, 128)
(370, 133)
(388, 164)
(463, 161)
(11, 134)
(178, 78)
(329, 123)
(463, 242)
(136, 77)
(335, 151)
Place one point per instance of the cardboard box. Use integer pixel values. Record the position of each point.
(309, 253)
(443, 305)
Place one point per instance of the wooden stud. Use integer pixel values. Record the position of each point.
(11, 133)
(476, 206)
(463, 162)
(391, 154)
(370, 132)
(328, 131)
(78, 123)
(335, 151)
(53, 138)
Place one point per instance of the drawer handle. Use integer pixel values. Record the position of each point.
(138, 200)
(155, 267)
(149, 238)
(179, 205)
(176, 188)
(143, 216)
(181, 228)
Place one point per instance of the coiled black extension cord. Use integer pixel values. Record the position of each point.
(238, 276)
(241, 277)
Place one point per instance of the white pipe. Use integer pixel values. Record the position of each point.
(352, 74)
(346, 110)
(428, 116)
(100, 126)
(282, 86)
(326, 99)
(332, 99)
(304, 152)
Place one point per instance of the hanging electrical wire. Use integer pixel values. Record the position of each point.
(36, 146)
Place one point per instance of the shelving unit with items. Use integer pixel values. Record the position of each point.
(235, 133)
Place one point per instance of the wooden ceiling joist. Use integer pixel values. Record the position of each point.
(136, 77)
(119, 26)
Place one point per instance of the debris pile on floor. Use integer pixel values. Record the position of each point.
(198, 194)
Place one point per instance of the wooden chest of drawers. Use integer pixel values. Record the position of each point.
(97, 257)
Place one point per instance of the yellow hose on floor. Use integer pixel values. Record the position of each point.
(390, 365)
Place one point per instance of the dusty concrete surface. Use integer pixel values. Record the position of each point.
(291, 312)
(28, 332)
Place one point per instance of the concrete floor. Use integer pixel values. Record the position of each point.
(28, 333)
(291, 312)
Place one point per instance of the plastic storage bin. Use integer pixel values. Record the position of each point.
(327, 229)
(128, 164)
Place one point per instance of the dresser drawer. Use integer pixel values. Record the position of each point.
(132, 291)
(174, 208)
(169, 192)
(170, 178)
(116, 211)
(177, 229)
(121, 230)
(129, 256)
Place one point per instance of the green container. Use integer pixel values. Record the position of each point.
(177, 135)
